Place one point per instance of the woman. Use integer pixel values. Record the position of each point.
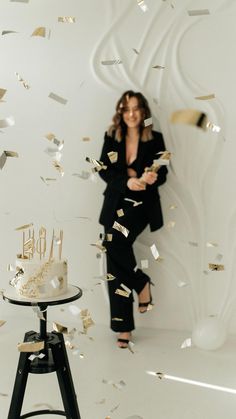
(129, 149)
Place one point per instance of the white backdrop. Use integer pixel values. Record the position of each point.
(198, 60)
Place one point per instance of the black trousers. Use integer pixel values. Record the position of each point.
(121, 263)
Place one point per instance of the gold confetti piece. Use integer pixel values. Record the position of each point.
(193, 117)
(2, 93)
(59, 328)
(111, 62)
(21, 80)
(142, 5)
(198, 12)
(155, 252)
(86, 319)
(136, 51)
(121, 228)
(57, 98)
(66, 19)
(117, 319)
(187, 343)
(122, 293)
(144, 264)
(206, 97)
(120, 212)
(30, 346)
(8, 32)
(3, 395)
(211, 244)
(7, 122)
(23, 227)
(170, 225)
(58, 167)
(86, 139)
(113, 156)
(194, 244)
(98, 164)
(33, 356)
(41, 31)
(2, 322)
(148, 122)
(50, 136)
(69, 344)
(106, 237)
(126, 288)
(159, 67)
(172, 207)
(216, 267)
(99, 246)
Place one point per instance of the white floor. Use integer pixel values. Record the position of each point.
(139, 395)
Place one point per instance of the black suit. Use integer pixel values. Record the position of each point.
(120, 257)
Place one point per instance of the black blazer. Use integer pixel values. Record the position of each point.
(116, 178)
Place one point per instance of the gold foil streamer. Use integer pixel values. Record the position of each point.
(7, 122)
(98, 164)
(40, 31)
(216, 267)
(2, 93)
(199, 12)
(47, 179)
(24, 227)
(21, 80)
(58, 98)
(135, 51)
(111, 62)
(2, 322)
(30, 346)
(60, 328)
(58, 167)
(122, 293)
(120, 212)
(193, 117)
(10, 268)
(106, 237)
(148, 122)
(66, 19)
(121, 228)
(99, 246)
(159, 67)
(206, 97)
(211, 244)
(8, 32)
(113, 156)
(86, 319)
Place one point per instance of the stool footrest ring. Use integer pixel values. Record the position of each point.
(43, 412)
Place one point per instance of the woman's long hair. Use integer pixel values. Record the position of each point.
(118, 126)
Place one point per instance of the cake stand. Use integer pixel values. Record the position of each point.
(55, 358)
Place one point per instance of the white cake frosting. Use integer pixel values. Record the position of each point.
(37, 278)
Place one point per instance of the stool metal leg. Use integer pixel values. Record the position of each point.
(65, 378)
(20, 385)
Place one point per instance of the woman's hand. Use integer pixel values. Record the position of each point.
(135, 184)
(149, 177)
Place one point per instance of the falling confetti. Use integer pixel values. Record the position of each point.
(111, 62)
(7, 122)
(187, 343)
(206, 97)
(142, 5)
(66, 19)
(193, 117)
(113, 156)
(121, 228)
(216, 267)
(147, 122)
(200, 12)
(57, 98)
(21, 80)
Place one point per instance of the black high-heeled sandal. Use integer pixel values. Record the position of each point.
(125, 341)
(148, 305)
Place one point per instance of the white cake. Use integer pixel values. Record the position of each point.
(40, 278)
(41, 272)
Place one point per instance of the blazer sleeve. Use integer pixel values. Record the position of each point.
(115, 175)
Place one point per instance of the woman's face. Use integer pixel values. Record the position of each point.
(132, 114)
